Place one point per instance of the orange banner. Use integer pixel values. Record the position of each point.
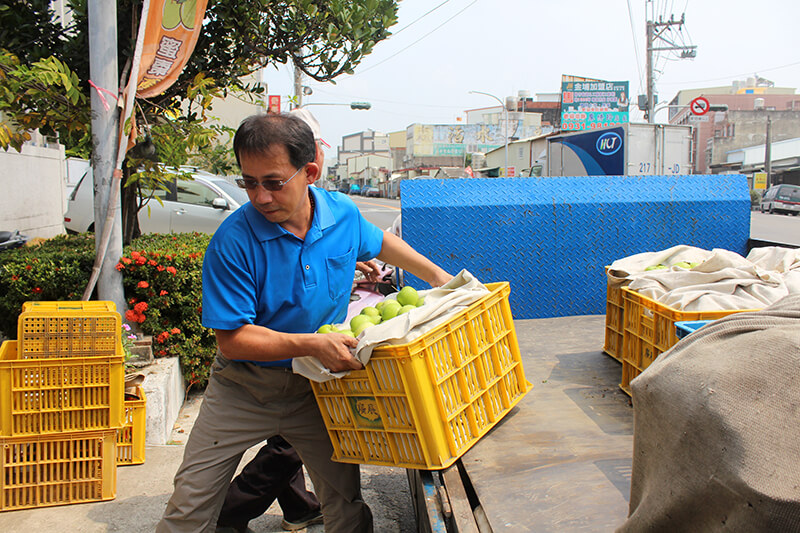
(173, 27)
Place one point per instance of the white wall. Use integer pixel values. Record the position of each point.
(32, 190)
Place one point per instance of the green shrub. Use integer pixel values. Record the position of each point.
(162, 276)
(56, 269)
(755, 198)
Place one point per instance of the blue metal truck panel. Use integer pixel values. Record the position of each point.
(551, 237)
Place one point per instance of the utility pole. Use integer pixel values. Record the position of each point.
(298, 87)
(768, 153)
(655, 31)
(105, 138)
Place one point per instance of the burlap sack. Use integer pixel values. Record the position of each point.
(717, 428)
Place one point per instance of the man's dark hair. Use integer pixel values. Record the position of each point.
(258, 133)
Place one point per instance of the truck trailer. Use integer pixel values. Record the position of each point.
(625, 150)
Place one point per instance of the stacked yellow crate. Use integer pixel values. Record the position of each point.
(61, 405)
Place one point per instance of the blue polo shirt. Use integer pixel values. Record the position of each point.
(256, 272)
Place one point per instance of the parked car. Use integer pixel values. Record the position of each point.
(371, 191)
(198, 204)
(355, 189)
(781, 199)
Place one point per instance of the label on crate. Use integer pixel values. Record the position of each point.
(365, 412)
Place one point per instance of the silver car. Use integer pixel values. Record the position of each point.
(199, 204)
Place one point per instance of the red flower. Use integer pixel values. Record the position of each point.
(163, 293)
(161, 353)
(142, 284)
(14, 278)
(152, 263)
(132, 301)
(139, 318)
(119, 267)
(162, 337)
(130, 316)
(135, 255)
(28, 267)
(141, 260)
(36, 290)
(175, 331)
(126, 260)
(160, 268)
(168, 257)
(141, 307)
(171, 270)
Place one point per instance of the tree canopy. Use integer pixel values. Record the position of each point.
(324, 38)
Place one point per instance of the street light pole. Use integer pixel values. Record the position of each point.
(505, 119)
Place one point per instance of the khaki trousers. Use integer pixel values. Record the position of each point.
(245, 404)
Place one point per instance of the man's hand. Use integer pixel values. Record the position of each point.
(333, 351)
(370, 270)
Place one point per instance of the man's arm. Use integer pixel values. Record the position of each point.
(397, 252)
(257, 343)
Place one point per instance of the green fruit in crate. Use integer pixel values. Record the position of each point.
(370, 311)
(380, 305)
(406, 309)
(407, 296)
(325, 328)
(420, 301)
(692, 265)
(390, 310)
(377, 319)
(361, 327)
(347, 332)
(683, 264)
(358, 320)
(655, 267)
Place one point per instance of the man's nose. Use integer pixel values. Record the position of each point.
(263, 196)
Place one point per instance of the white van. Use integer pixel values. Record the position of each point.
(782, 198)
(198, 204)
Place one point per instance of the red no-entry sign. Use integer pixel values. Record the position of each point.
(699, 106)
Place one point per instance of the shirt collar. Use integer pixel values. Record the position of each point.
(266, 230)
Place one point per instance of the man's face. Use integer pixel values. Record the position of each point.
(290, 204)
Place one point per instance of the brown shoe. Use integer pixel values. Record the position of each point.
(314, 517)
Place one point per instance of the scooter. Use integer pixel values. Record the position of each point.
(11, 239)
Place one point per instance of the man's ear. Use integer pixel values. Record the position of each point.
(312, 172)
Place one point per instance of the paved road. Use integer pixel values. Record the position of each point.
(777, 228)
(379, 211)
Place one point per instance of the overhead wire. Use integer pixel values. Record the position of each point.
(415, 42)
(635, 46)
(419, 18)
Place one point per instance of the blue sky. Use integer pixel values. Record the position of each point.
(442, 49)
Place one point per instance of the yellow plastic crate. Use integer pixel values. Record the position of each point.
(69, 329)
(131, 437)
(614, 331)
(629, 372)
(424, 404)
(59, 469)
(40, 396)
(650, 328)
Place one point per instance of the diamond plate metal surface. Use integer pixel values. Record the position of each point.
(551, 237)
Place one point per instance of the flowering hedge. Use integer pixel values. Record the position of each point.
(162, 275)
(162, 280)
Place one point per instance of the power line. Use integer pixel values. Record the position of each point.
(635, 45)
(419, 18)
(734, 75)
(418, 40)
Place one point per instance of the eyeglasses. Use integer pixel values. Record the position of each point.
(270, 185)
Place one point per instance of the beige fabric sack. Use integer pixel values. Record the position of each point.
(717, 428)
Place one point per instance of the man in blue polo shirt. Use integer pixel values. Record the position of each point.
(276, 270)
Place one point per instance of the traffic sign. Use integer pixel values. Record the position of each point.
(699, 106)
(759, 180)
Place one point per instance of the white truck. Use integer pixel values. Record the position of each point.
(626, 150)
